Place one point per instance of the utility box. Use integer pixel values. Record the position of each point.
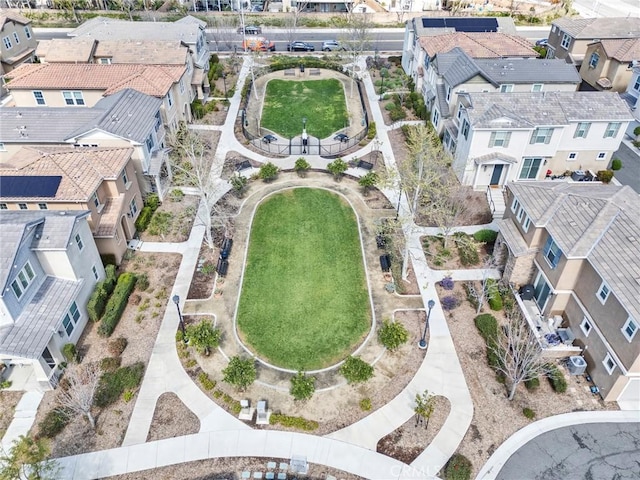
(577, 365)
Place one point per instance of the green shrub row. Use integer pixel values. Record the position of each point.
(372, 132)
(206, 382)
(117, 303)
(293, 422)
(53, 423)
(485, 235)
(113, 384)
(487, 325)
(142, 222)
(100, 295)
(556, 379)
(493, 295)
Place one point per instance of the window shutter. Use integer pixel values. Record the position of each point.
(533, 137)
(547, 138)
(492, 140)
(507, 137)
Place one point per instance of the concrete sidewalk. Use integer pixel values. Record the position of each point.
(23, 418)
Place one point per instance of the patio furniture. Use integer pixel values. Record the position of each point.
(246, 474)
(257, 475)
(282, 476)
(271, 465)
(299, 464)
(263, 415)
(284, 466)
(246, 412)
(270, 476)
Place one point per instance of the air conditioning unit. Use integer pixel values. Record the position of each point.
(576, 365)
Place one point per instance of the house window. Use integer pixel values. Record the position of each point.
(526, 223)
(78, 239)
(7, 42)
(436, 117)
(552, 252)
(125, 179)
(609, 364)
(537, 87)
(514, 205)
(586, 327)
(22, 206)
(95, 200)
(465, 129)
(3, 206)
(603, 293)
(566, 41)
(541, 135)
(23, 280)
(459, 112)
(530, 167)
(149, 143)
(71, 319)
(636, 86)
(601, 156)
(133, 207)
(572, 156)
(39, 97)
(105, 61)
(506, 88)
(95, 272)
(189, 67)
(630, 328)
(520, 214)
(158, 120)
(593, 61)
(581, 130)
(73, 98)
(499, 139)
(43, 206)
(181, 86)
(169, 98)
(27, 32)
(612, 130)
(16, 37)
(448, 94)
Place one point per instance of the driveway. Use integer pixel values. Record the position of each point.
(630, 172)
(587, 451)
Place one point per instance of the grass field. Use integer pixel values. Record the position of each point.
(304, 303)
(321, 102)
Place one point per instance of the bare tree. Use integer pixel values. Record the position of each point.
(519, 355)
(487, 288)
(356, 39)
(222, 31)
(292, 20)
(81, 385)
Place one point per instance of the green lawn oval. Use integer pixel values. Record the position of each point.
(304, 303)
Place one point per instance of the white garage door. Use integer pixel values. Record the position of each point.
(629, 399)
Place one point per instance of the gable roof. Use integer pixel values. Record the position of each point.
(601, 28)
(82, 170)
(479, 44)
(155, 80)
(13, 17)
(623, 50)
(61, 50)
(597, 222)
(529, 109)
(439, 25)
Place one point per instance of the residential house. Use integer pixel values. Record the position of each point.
(570, 37)
(188, 30)
(106, 52)
(18, 43)
(126, 119)
(578, 246)
(77, 85)
(609, 63)
(100, 180)
(496, 138)
(49, 265)
(413, 54)
(632, 95)
(455, 71)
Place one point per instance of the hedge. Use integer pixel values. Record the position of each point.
(485, 235)
(53, 422)
(487, 325)
(556, 379)
(113, 384)
(142, 222)
(116, 304)
(293, 422)
(493, 295)
(97, 302)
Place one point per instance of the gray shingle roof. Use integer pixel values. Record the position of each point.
(526, 109)
(528, 70)
(591, 28)
(40, 319)
(456, 66)
(597, 222)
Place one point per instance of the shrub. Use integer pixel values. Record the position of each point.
(113, 384)
(397, 114)
(372, 131)
(238, 183)
(142, 222)
(203, 336)
(605, 176)
(117, 346)
(97, 302)
(392, 335)
(365, 404)
(527, 412)
(268, 171)
(70, 352)
(616, 164)
(532, 384)
(458, 468)
(117, 303)
(110, 364)
(241, 372)
(176, 195)
(368, 180)
(556, 379)
(153, 201)
(337, 168)
(449, 302)
(293, 422)
(470, 290)
(53, 423)
(447, 283)
(487, 325)
(110, 278)
(356, 370)
(143, 282)
(301, 167)
(302, 386)
(468, 252)
(636, 131)
(206, 382)
(485, 235)
(127, 396)
(493, 295)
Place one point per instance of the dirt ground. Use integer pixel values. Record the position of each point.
(8, 401)
(433, 246)
(139, 324)
(182, 212)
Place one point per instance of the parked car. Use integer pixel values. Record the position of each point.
(343, 137)
(269, 138)
(331, 45)
(543, 42)
(258, 44)
(250, 30)
(300, 47)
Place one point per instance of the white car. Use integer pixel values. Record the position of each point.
(331, 45)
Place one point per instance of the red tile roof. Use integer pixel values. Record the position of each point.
(479, 44)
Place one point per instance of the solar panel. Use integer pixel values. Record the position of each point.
(463, 24)
(29, 186)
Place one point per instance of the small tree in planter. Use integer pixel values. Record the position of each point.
(203, 337)
(238, 183)
(425, 404)
(368, 181)
(337, 168)
(268, 172)
(241, 372)
(302, 167)
(302, 386)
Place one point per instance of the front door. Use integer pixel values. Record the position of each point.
(48, 359)
(541, 291)
(495, 176)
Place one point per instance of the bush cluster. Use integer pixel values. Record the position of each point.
(356, 370)
(53, 423)
(392, 335)
(114, 384)
(100, 295)
(70, 353)
(447, 283)
(493, 295)
(415, 102)
(117, 346)
(293, 422)
(532, 383)
(458, 468)
(302, 386)
(110, 364)
(604, 176)
(449, 302)
(199, 110)
(117, 303)
(372, 131)
(556, 379)
(151, 204)
(485, 235)
(527, 412)
(206, 382)
(365, 404)
(468, 253)
(487, 325)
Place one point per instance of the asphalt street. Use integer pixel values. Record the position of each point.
(592, 451)
(630, 172)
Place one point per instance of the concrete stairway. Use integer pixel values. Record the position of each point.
(495, 197)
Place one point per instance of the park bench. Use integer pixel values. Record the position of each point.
(290, 72)
(243, 165)
(365, 165)
(225, 251)
(222, 266)
(314, 71)
(385, 263)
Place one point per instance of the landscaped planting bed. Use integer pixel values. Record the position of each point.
(304, 302)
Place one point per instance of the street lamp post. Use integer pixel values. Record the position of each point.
(176, 300)
(423, 343)
(399, 200)
(304, 123)
(381, 83)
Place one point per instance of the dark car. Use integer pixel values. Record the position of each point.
(343, 137)
(300, 47)
(250, 30)
(542, 43)
(269, 138)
